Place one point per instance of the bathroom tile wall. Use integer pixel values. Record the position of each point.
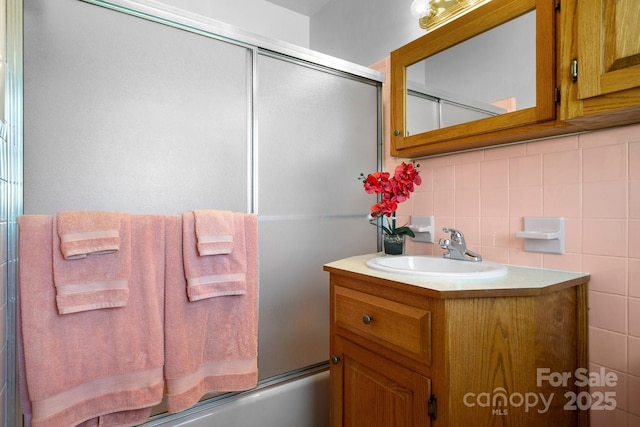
(590, 179)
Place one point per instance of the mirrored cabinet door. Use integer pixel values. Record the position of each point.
(491, 74)
(469, 83)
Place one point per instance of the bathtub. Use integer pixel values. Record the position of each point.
(300, 399)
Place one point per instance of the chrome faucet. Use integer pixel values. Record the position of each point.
(457, 247)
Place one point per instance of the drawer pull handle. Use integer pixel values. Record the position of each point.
(366, 319)
(335, 360)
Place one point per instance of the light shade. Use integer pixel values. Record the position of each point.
(420, 8)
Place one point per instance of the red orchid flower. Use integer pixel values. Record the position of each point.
(393, 190)
(375, 182)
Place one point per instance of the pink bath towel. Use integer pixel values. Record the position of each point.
(98, 366)
(96, 281)
(214, 231)
(211, 345)
(219, 275)
(83, 233)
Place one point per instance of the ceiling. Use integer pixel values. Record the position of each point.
(305, 7)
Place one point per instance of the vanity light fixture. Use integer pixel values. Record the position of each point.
(432, 14)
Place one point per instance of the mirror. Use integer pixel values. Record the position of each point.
(493, 73)
(465, 84)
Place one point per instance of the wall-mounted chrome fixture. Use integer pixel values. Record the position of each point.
(434, 13)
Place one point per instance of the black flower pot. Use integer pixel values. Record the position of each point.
(393, 244)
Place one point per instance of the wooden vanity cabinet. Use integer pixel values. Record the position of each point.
(370, 390)
(403, 355)
(600, 62)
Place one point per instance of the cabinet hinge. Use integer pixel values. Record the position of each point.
(574, 70)
(432, 409)
(556, 95)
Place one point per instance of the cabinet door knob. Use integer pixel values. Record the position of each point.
(335, 360)
(366, 319)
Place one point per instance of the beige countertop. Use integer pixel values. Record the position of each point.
(518, 281)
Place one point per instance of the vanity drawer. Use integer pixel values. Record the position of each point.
(400, 327)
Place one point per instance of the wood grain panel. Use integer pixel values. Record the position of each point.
(400, 326)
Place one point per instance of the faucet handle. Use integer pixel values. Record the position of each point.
(444, 243)
(455, 234)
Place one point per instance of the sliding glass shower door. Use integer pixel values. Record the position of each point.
(317, 130)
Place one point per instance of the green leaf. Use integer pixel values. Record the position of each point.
(382, 227)
(404, 231)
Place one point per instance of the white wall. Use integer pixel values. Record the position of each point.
(257, 16)
(358, 31)
(363, 31)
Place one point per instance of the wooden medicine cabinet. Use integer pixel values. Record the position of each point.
(516, 70)
(469, 83)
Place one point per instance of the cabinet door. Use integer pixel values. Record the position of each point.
(371, 391)
(608, 46)
(473, 55)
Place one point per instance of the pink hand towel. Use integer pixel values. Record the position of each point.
(214, 276)
(211, 345)
(99, 367)
(84, 233)
(214, 232)
(94, 282)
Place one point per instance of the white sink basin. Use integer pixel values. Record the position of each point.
(430, 266)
